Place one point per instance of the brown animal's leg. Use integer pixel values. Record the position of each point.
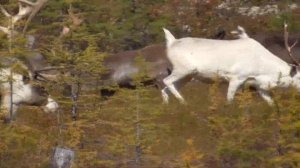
(106, 93)
(159, 84)
(160, 77)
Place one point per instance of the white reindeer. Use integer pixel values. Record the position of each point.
(239, 61)
(18, 89)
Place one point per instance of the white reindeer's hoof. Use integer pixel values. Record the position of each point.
(183, 102)
(165, 101)
(165, 96)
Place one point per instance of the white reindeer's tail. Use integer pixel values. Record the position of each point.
(169, 37)
(240, 32)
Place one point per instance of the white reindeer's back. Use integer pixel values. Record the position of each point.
(224, 57)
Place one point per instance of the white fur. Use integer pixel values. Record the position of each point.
(51, 106)
(23, 93)
(237, 61)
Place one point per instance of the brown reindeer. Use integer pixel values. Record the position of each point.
(121, 66)
(276, 44)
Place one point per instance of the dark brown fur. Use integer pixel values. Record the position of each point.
(154, 56)
(274, 42)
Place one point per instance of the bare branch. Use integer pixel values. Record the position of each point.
(286, 43)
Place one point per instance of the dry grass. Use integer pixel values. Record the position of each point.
(172, 135)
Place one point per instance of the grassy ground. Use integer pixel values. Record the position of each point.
(207, 132)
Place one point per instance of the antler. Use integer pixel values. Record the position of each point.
(75, 19)
(38, 5)
(25, 8)
(23, 11)
(50, 69)
(42, 76)
(4, 30)
(4, 11)
(289, 48)
(28, 2)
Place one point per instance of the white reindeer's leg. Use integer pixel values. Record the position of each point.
(266, 96)
(234, 85)
(6, 108)
(165, 95)
(169, 82)
(177, 84)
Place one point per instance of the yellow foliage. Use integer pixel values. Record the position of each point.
(214, 94)
(74, 133)
(191, 154)
(245, 99)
